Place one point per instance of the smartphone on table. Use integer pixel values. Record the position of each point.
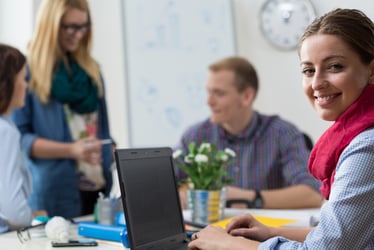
(75, 243)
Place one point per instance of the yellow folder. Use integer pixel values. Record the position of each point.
(268, 221)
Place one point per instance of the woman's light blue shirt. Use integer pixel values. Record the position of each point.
(347, 219)
(15, 180)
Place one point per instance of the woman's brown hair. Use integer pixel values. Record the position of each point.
(350, 25)
(11, 63)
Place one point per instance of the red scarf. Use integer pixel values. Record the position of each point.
(326, 152)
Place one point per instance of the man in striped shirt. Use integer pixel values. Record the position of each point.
(270, 169)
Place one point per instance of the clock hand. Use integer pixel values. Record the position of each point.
(286, 16)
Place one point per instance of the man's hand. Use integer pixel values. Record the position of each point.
(238, 193)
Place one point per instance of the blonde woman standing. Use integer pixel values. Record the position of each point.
(65, 115)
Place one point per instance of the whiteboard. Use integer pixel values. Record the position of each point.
(169, 45)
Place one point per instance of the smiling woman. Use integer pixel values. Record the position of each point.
(332, 79)
(337, 60)
(65, 116)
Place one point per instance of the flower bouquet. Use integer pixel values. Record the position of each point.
(206, 166)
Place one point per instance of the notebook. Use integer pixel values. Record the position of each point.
(150, 199)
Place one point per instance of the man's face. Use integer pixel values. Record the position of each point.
(226, 103)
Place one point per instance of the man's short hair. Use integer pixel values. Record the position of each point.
(245, 73)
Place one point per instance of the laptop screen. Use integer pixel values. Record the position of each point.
(150, 194)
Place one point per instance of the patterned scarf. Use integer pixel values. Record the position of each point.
(325, 154)
(74, 87)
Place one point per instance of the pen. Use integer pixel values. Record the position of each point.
(106, 141)
(102, 142)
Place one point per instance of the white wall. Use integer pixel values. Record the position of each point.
(279, 72)
(280, 77)
(109, 52)
(16, 23)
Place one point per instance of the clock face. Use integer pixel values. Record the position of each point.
(283, 21)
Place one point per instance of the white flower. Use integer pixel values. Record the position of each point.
(230, 152)
(224, 157)
(177, 153)
(205, 146)
(200, 158)
(188, 158)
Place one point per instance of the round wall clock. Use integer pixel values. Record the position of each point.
(283, 21)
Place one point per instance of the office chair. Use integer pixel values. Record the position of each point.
(308, 141)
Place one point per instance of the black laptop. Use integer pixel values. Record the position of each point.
(150, 199)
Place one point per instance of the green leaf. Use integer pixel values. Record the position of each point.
(191, 148)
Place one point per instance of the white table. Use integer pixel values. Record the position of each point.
(9, 241)
(302, 216)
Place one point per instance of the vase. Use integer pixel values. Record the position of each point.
(206, 206)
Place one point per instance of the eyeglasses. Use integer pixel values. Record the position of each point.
(72, 29)
(35, 231)
(24, 234)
